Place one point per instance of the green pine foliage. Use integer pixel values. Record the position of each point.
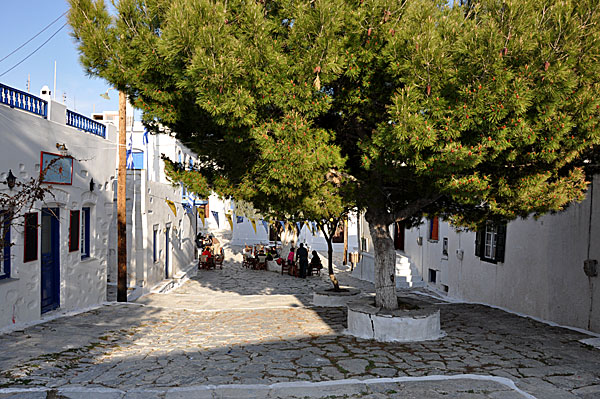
(472, 110)
(482, 107)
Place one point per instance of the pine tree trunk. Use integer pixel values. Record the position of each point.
(334, 281)
(385, 258)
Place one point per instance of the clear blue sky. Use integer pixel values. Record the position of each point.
(21, 20)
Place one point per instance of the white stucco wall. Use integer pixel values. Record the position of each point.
(147, 190)
(82, 282)
(182, 232)
(542, 274)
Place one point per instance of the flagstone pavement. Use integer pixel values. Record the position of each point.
(239, 333)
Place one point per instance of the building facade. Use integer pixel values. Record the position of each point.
(58, 256)
(61, 255)
(162, 220)
(533, 266)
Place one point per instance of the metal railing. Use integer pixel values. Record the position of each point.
(86, 124)
(19, 99)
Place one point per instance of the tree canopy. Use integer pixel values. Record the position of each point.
(475, 110)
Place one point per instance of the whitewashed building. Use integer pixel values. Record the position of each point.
(533, 267)
(58, 256)
(64, 251)
(162, 218)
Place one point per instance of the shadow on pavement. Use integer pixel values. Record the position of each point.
(133, 346)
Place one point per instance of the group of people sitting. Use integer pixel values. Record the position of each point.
(301, 257)
(296, 263)
(256, 257)
(211, 254)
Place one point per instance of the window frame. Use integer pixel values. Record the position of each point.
(445, 247)
(30, 237)
(433, 234)
(490, 242)
(84, 237)
(74, 230)
(5, 227)
(155, 230)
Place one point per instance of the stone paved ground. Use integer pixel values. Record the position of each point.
(237, 326)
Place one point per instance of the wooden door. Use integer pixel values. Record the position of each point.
(50, 263)
(399, 236)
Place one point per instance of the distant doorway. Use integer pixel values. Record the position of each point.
(50, 273)
(399, 236)
(273, 233)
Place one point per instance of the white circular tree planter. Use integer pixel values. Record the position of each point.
(330, 298)
(370, 322)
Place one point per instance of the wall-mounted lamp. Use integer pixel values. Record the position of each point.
(11, 180)
(62, 148)
(92, 184)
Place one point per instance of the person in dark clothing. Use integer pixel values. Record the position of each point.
(200, 241)
(315, 263)
(302, 256)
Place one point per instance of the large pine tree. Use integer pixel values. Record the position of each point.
(474, 110)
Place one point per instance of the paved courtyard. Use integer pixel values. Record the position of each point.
(254, 334)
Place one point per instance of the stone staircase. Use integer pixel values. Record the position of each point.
(407, 274)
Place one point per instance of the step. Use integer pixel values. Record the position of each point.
(409, 279)
(412, 284)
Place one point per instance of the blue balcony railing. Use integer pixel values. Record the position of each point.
(86, 124)
(21, 100)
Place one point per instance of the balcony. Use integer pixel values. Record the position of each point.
(86, 124)
(24, 101)
(19, 99)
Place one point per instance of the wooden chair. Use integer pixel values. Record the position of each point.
(247, 260)
(293, 269)
(204, 262)
(284, 265)
(262, 262)
(312, 271)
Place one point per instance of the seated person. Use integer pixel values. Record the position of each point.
(247, 251)
(261, 259)
(315, 262)
(207, 252)
(200, 240)
(215, 243)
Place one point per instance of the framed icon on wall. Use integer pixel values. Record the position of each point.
(56, 168)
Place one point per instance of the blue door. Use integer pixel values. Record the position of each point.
(167, 250)
(50, 280)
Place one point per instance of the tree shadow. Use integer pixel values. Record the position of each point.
(127, 346)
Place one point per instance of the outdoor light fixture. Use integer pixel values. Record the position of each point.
(11, 180)
(62, 148)
(92, 184)
(105, 95)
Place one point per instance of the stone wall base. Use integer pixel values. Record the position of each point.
(370, 322)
